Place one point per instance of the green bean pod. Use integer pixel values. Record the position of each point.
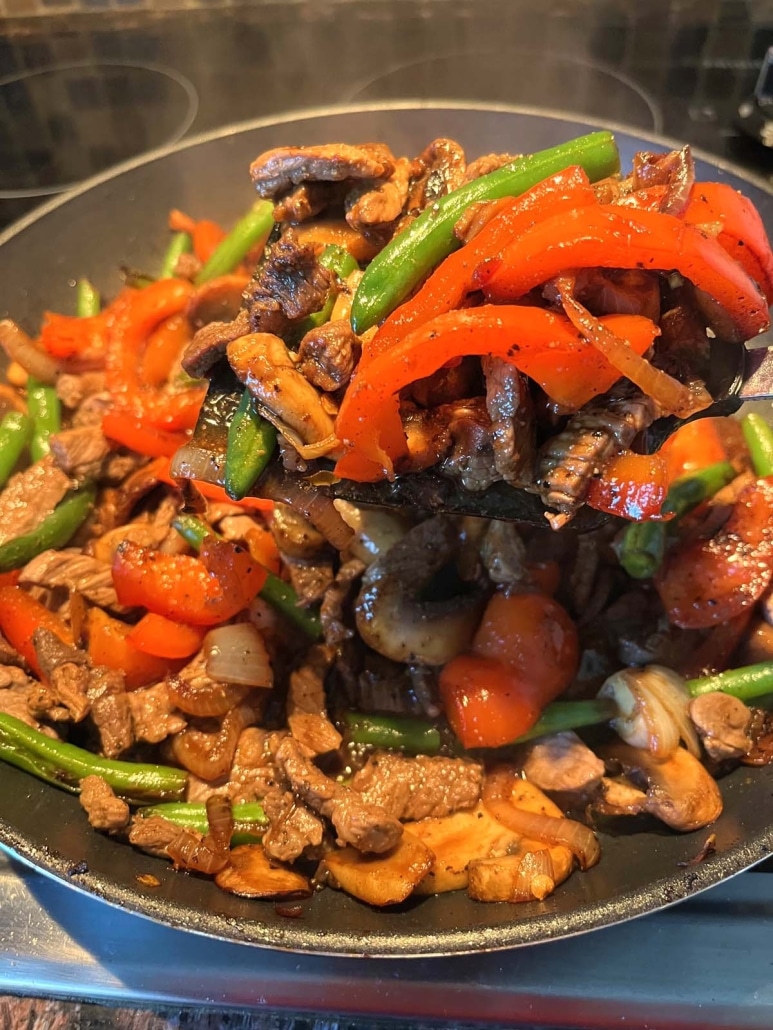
(338, 260)
(415, 251)
(406, 733)
(179, 244)
(251, 442)
(570, 715)
(56, 530)
(15, 434)
(45, 410)
(641, 548)
(282, 596)
(746, 683)
(249, 818)
(87, 301)
(65, 765)
(248, 232)
(759, 440)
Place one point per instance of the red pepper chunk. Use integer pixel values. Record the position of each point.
(542, 344)
(450, 283)
(631, 486)
(711, 581)
(741, 230)
(615, 237)
(200, 591)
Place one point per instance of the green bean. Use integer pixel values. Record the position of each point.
(406, 733)
(746, 683)
(65, 765)
(641, 548)
(338, 260)
(87, 301)
(55, 530)
(759, 440)
(179, 244)
(191, 529)
(45, 410)
(689, 491)
(15, 434)
(251, 442)
(248, 232)
(570, 715)
(249, 818)
(282, 596)
(415, 251)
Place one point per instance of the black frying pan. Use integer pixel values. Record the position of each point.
(121, 218)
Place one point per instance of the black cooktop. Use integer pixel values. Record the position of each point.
(82, 91)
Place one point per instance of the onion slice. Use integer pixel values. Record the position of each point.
(22, 349)
(673, 397)
(653, 710)
(237, 654)
(547, 829)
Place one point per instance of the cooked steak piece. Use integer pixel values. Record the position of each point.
(441, 169)
(419, 788)
(723, 723)
(371, 205)
(152, 834)
(310, 579)
(307, 200)
(292, 826)
(327, 355)
(288, 285)
(80, 452)
(472, 460)
(154, 715)
(104, 809)
(209, 344)
(277, 171)
(253, 770)
(369, 828)
(30, 496)
(72, 389)
(337, 622)
(511, 409)
(562, 763)
(503, 554)
(569, 460)
(63, 694)
(486, 164)
(110, 711)
(15, 692)
(307, 705)
(75, 570)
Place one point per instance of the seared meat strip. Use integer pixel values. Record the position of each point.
(152, 834)
(569, 460)
(72, 389)
(307, 705)
(486, 164)
(80, 452)
(208, 345)
(419, 788)
(294, 535)
(292, 826)
(278, 170)
(379, 204)
(15, 693)
(104, 809)
(723, 724)
(366, 827)
(442, 165)
(472, 460)
(327, 355)
(338, 596)
(562, 763)
(307, 200)
(511, 410)
(503, 553)
(310, 579)
(288, 285)
(63, 694)
(253, 770)
(30, 496)
(154, 715)
(75, 570)
(110, 711)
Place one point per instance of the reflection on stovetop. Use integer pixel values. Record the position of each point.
(110, 85)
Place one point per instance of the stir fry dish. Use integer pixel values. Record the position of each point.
(286, 690)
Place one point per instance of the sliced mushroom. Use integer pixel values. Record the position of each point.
(391, 616)
(529, 876)
(723, 723)
(680, 792)
(385, 879)
(250, 875)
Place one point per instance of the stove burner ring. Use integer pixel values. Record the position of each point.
(72, 120)
(558, 80)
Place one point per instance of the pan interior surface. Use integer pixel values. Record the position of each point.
(120, 219)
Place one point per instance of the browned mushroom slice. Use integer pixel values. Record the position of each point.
(527, 876)
(385, 879)
(680, 792)
(250, 875)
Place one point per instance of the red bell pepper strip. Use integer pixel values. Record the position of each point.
(156, 635)
(741, 230)
(613, 237)
(125, 428)
(20, 616)
(631, 486)
(162, 350)
(452, 280)
(109, 645)
(694, 446)
(207, 237)
(201, 591)
(213, 492)
(541, 343)
(711, 581)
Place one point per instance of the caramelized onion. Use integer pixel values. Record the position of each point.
(24, 351)
(536, 877)
(672, 396)
(313, 505)
(497, 792)
(209, 755)
(190, 851)
(237, 654)
(652, 708)
(207, 699)
(220, 819)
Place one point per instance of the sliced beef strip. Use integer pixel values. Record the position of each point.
(253, 771)
(310, 579)
(295, 536)
(80, 452)
(472, 460)
(561, 763)
(511, 409)
(15, 691)
(503, 554)
(75, 570)
(292, 826)
(335, 611)
(110, 711)
(288, 285)
(154, 715)
(9, 655)
(569, 460)
(152, 833)
(307, 200)
(30, 496)
(72, 389)
(723, 723)
(419, 788)
(64, 692)
(93, 409)
(307, 705)
(327, 355)
(441, 169)
(278, 170)
(209, 344)
(486, 164)
(369, 828)
(381, 203)
(104, 809)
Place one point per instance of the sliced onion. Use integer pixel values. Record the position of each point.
(673, 397)
(237, 654)
(194, 462)
(189, 851)
(653, 710)
(220, 819)
(547, 829)
(375, 530)
(22, 349)
(315, 506)
(205, 699)
(209, 755)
